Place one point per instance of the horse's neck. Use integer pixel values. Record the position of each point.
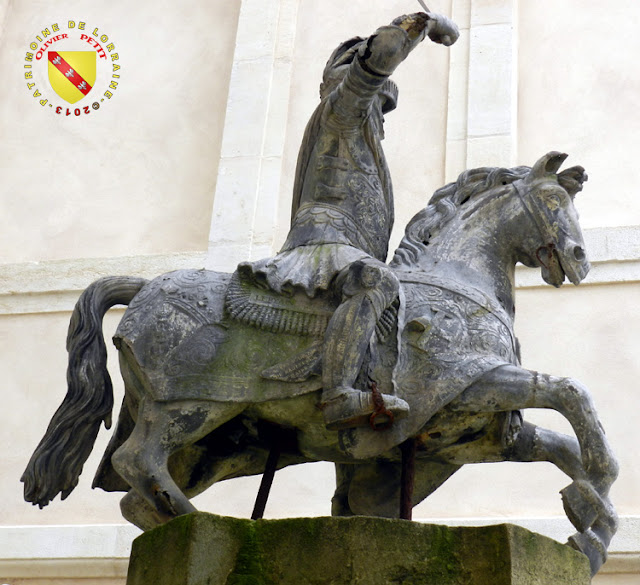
(480, 255)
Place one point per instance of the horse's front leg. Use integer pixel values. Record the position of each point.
(536, 443)
(583, 504)
(592, 514)
(513, 388)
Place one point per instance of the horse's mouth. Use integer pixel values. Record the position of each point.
(552, 272)
(555, 268)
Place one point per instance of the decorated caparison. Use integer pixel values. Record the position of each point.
(400, 373)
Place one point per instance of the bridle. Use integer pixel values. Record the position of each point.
(540, 220)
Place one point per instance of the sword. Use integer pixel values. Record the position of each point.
(424, 6)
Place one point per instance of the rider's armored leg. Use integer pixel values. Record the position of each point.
(368, 288)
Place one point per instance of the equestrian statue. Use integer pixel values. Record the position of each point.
(331, 354)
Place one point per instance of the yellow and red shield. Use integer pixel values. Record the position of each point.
(72, 73)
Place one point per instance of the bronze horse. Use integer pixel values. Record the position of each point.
(216, 371)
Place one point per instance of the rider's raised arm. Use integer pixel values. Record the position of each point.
(379, 56)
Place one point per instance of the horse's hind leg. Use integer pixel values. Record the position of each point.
(138, 511)
(162, 429)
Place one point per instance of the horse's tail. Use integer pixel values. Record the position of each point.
(56, 464)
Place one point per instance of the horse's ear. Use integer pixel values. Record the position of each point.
(572, 179)
(548, 164)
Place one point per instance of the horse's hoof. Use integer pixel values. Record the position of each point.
(582, 504)
(354, 408)
(592, 547)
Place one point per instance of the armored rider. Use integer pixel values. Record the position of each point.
(342, 211)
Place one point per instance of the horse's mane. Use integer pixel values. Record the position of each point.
(445, 204)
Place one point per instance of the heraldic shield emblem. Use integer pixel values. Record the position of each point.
(72, 73)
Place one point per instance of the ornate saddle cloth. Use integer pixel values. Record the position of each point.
(295, 314)
(265, 309)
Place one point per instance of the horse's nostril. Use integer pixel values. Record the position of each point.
(579, 254)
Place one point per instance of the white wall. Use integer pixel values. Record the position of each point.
(578, 89)
(136, 176)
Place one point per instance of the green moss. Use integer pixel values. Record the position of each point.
(197, 548)
(174, 540)
(248, 569)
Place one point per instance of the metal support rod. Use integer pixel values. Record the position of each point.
(407, 477)
(267, 480)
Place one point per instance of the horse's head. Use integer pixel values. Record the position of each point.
(557, 247)
(522, 213)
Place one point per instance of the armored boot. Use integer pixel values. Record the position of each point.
(346, 342)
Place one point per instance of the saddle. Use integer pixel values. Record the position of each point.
(295, 314)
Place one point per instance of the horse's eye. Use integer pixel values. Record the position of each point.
(551, 199)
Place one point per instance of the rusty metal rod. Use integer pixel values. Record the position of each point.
(407, 478)
(267, 479)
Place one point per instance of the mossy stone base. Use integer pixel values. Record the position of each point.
(203, 549)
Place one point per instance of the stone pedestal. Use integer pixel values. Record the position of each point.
(203, 549)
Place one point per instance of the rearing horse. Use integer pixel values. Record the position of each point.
(216, 371)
